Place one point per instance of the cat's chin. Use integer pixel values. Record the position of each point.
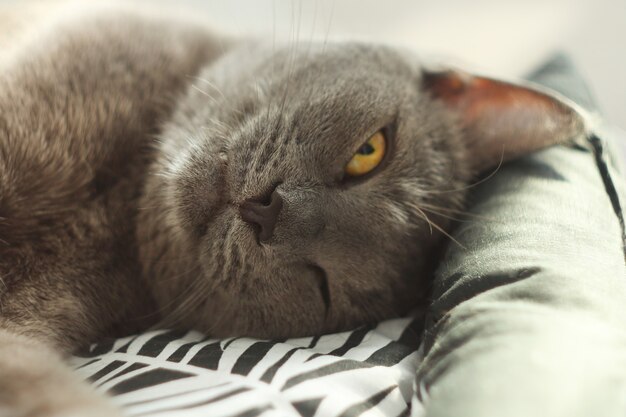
(283, 299)
(226, 314)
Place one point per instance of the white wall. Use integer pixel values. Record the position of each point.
(502, 37)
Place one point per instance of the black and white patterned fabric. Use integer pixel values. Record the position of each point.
(366, 372)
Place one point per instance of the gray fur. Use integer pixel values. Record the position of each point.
(127, 144)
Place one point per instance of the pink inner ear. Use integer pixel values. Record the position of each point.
(503, 120)
(475, 96)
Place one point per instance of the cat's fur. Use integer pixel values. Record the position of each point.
(128, 143)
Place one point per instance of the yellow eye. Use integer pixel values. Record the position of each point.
(368, 156)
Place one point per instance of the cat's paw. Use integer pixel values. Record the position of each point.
(65, 405)
(34, 382)
(97, 410)
(58, 402)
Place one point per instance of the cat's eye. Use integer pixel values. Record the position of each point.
(368, 156)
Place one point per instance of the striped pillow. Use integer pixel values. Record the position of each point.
(369, 371)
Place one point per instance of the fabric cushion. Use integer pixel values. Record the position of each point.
(369, 371)
(529, 314)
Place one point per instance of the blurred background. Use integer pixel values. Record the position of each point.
(505, 38)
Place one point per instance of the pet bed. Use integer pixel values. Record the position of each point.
(528, 318)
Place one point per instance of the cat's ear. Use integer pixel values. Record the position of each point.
(502, 120)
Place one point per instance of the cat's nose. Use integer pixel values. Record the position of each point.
(263, 214)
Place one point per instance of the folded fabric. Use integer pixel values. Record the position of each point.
(529, 310)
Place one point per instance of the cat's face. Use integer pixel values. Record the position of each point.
(272, 132)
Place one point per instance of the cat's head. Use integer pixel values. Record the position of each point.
(305, 189)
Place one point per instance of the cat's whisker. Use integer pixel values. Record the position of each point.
(216, 102)
(210, 84)
(218, 123)
(312, 34)
(461, 213)
(434, 225)
(214, 132)
(6, 288)
(189, 304)
(204, 93)
(330, 21)
(472, 185)
(213, 99)
(187, 301)
(258, 90)
(220, 127)
(425, 217)
(452, 214)
(293, 49)
(445, 216)
(202, 287)
(211, 133)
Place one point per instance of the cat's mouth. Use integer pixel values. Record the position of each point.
(321, 278)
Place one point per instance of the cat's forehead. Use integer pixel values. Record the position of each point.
(348, 85)
(338, 64)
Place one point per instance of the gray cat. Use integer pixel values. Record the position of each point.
(152, 173)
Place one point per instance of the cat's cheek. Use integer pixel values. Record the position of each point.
(196, 187)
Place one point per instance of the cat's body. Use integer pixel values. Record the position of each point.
(133, 150)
